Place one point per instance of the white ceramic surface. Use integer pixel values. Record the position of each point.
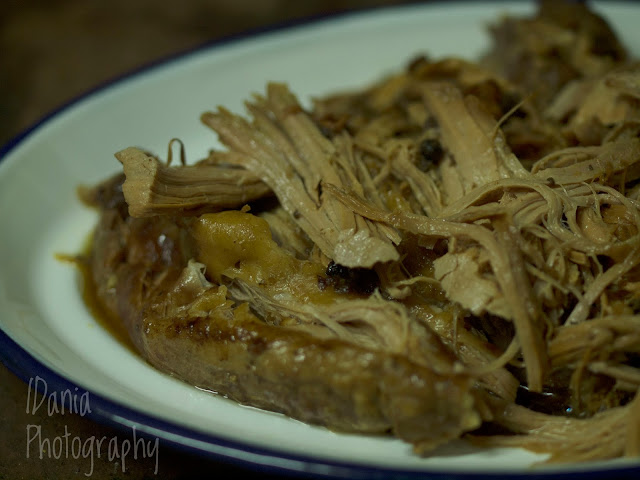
(40, 304)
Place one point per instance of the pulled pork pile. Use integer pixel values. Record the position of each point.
(451, 252)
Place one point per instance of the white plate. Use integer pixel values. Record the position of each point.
(48, 332)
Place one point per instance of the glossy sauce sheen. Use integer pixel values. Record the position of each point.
(239, 245)
(111, 323)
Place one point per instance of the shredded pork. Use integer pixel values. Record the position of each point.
(479, 220)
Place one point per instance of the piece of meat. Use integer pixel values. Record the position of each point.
(462, 277)
(477, 151)
(608, 434)
(506, 263)
(152, 188)
(143, 273)
(592, 106)
(285, 148)
(563, 42)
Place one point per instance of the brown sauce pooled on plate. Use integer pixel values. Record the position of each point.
(111, 323)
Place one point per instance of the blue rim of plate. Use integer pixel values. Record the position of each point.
(260, 460)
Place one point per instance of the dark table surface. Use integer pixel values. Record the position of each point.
(52, 51)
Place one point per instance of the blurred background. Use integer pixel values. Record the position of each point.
(52, 51)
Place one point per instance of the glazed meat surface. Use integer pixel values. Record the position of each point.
(186, 326)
